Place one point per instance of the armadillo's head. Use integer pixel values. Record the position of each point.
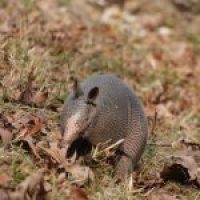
(79, 112)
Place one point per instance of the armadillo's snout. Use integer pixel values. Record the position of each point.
(72, 129)
(70, 137)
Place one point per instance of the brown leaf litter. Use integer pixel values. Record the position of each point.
(33, 126)
(29, 140)
(161, 194)
(23, 124)
(32, 188)
(4, 179)
(77, 193)
(147, 184)
(5, 135)
(28, 95)
(24, 127)
(182, 168)
(27, 128)
(76, 173)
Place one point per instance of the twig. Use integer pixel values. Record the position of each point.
(114, 145)
(160, 144)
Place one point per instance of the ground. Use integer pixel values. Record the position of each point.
(153, 46)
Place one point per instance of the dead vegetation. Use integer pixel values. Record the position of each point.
(153, 46)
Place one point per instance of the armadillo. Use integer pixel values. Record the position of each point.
(101, 108)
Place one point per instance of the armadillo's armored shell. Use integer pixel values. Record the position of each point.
(119, 116)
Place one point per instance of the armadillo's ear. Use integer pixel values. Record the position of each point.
(93, 93)
(76, 88)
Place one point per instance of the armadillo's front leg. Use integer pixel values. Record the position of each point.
(124, 167)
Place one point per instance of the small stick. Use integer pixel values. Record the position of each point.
(114, 145)
(160, 144)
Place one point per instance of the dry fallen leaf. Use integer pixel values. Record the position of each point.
(32, 188)
(77, 193)
(185, 143)
(33, 126)
(164, 195)
(29, 140)
(22, 123)
(77, 174)
(25, 127)
(181, 168)
(4, 194)
(80, 174)
(187, 5)
(146, 184)
(4, 179)
(40, 98)
(58, 154)
(5, 135)
(18, 120)
(27, 95)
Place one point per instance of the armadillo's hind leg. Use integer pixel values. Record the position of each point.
(135, 141)
(124, 167)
